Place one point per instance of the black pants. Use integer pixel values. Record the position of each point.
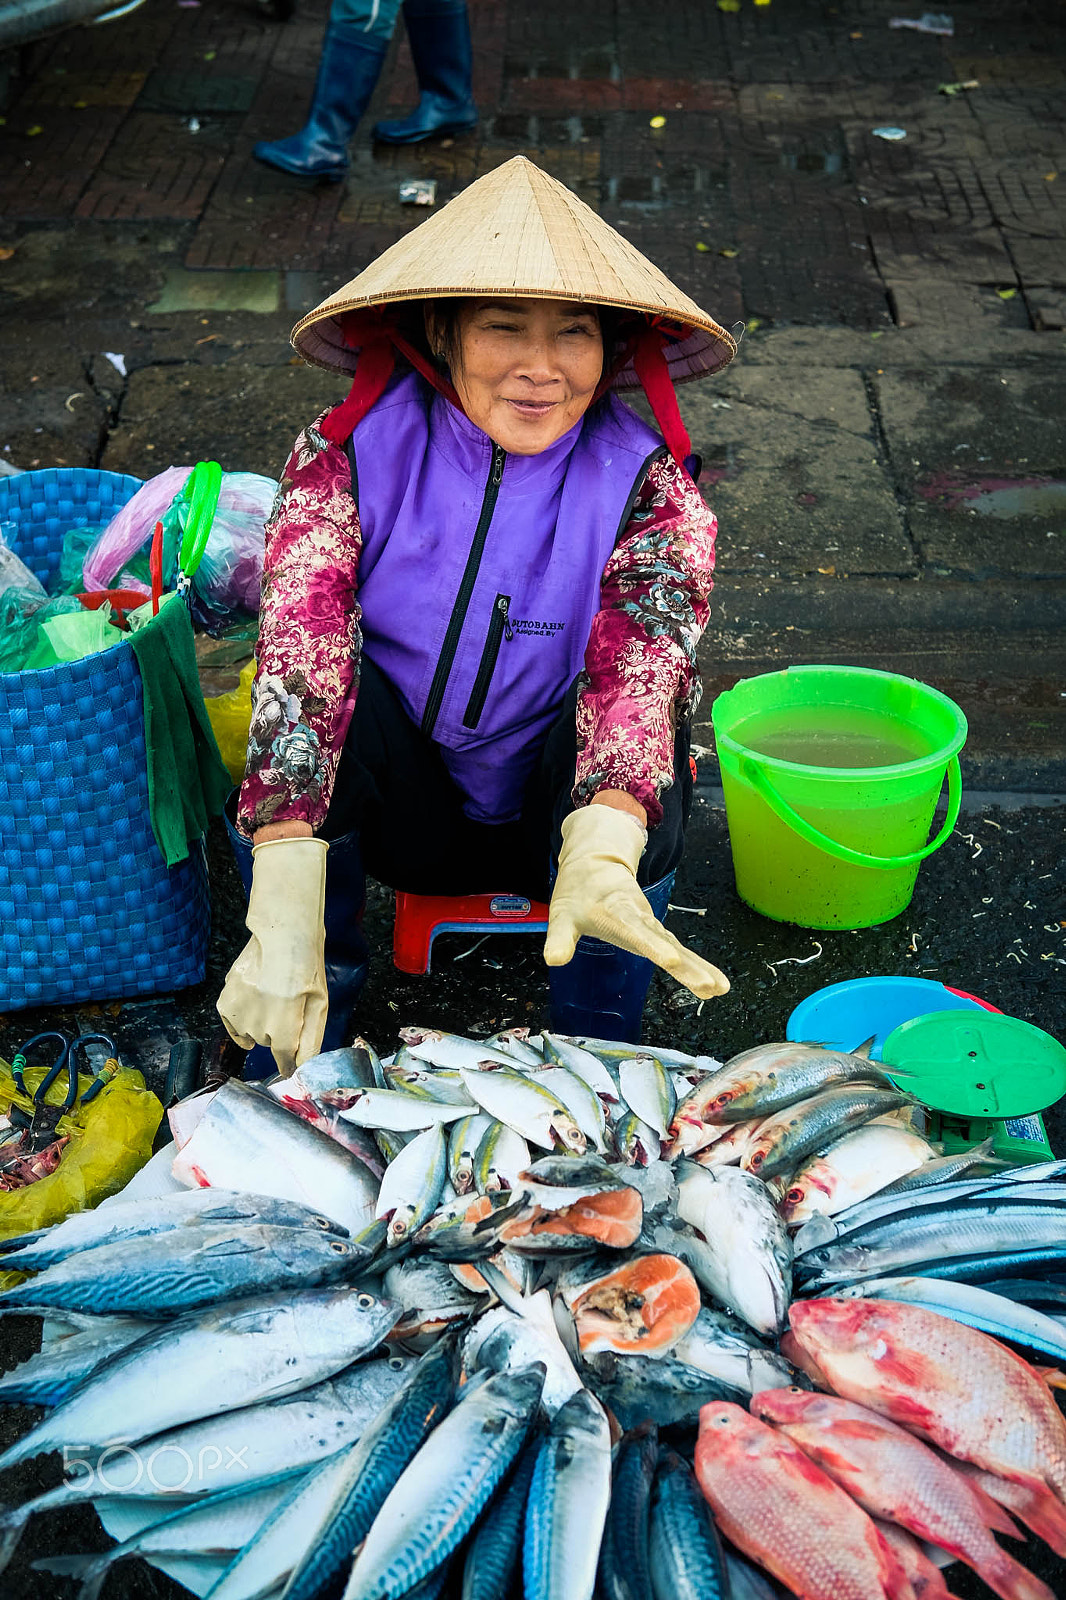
(393, 789)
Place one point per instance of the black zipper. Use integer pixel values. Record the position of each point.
(499, 629)
(437, 688)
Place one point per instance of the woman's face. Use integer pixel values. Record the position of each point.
(526, 370)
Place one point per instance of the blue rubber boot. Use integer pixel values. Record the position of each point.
(347, 952)
(439, 36)
(348, 69)
(600, 994)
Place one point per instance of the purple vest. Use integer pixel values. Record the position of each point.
(480, 573)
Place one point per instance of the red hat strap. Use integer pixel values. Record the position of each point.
(377, 340)
(654, 374)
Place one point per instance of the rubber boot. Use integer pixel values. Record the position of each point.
(347, 952)
(348, 69)
(600, 994)
(439, 36)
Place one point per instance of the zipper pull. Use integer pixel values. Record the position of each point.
(499, 456)
(503, 606)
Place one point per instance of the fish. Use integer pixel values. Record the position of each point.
(747, 1582)
(949, 1384)
(464, 1137)
(643, 1307)
(393, 1112)
(625, 1565)
(212, 1361)
(223, 1525)
(522, 1046)
(894, 1476)
(248, 1141)
(440, 1494)
(729, 1149)
(942, 1169)
(727, 1349)
(567, 1504)
(431, 1296)
(413, 1183)
(428, 1083)
(924, 1576)
(647, 1089)
(509, 1338)
(495, 1552)
(636, 1144)
(610, 1219)
(500, 1157)
(372, 1469)
(784, 1512)
(170, 1274)
(584, 1064)
(452, 1049)
(660, 1388)
(580, 1100)
(526, 1106)
(852, 1169)
(964, 1302)
(264, 1564)
(979, 1229)
(615, 1050)
(686, 1556)
(744, 1257)
(773, 1077)
(801, 1129)
(1037, 1507)
(60, 1365)
(135, 1219)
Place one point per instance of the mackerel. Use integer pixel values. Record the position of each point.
(568, 1501)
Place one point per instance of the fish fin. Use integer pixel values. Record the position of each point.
(91, 1569)
(994, 1514)
(20, 1240)
(1054, 1377)
(864, 1049)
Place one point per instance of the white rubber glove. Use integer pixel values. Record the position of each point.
(596, 894)
(275, 991)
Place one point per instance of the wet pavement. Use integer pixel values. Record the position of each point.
(886, 456)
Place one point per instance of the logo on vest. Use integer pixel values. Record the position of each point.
(541, 630)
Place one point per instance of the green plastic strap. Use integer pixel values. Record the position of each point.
(202, 488)
(753, 772)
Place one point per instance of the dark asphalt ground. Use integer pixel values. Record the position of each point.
(886, 458)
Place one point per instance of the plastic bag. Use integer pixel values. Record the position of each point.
(228, 578)
(77, 543)
(108, 1141)
(21, 613)
(230, 715)
(14, 573)
(70, 635)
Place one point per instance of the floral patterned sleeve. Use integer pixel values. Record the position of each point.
(309, 640)
(640, 672)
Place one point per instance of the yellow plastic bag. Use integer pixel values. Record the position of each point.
(110, 1140)
(230, 715)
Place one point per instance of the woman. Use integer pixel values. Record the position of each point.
(485, 580)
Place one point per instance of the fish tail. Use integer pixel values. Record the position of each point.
(12, 1521)
(19, 1241)
(1043, 1515)
(1011, 1581)
(91, 1569)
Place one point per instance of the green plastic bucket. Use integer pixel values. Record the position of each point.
(831, 777)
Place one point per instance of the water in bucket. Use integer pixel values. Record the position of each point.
(831, 777)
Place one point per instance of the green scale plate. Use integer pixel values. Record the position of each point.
(977, 1064)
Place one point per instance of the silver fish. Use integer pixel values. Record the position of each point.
(500, 1156)
(525, 1106)
(929, 1237)
(648, 1090)
(798, 1131)
(580, 1100)
(214, 1361)
(726, 1349)
(464, 1137)
(568, 1501)
(431, 1296)
(637, 1144)
(506, 1339)
(60, 1365)
(772, 1077)
(570, 1054)
(170, 1274)
(439, 1496)
(452, 1049)
(429, 1083)
(518, 1044)
(400, 1113)
(745, 1260)
(412, 1185)
(246, 1139)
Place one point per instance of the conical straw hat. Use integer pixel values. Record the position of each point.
(514, 233)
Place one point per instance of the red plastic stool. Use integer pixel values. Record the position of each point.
(420, 917)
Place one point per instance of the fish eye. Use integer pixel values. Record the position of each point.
(365, 1301)
(794, 1195)
(396, 1362)
(794, 1388)
(323, 1223)
(757, 1159)
(338, 1247)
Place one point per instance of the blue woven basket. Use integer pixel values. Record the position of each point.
(88, 908)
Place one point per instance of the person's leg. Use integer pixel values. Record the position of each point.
(439, 35)
(353, 53)
(601, 991)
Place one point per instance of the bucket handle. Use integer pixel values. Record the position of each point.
(781, 808)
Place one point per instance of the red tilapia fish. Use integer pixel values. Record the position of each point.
(776, 1506)
(953, 1386)
(895, 1476)
(926, 1580)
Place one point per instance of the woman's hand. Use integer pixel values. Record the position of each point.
(275, 991)
(596, 894)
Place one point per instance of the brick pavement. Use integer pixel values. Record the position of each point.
(767, 148)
